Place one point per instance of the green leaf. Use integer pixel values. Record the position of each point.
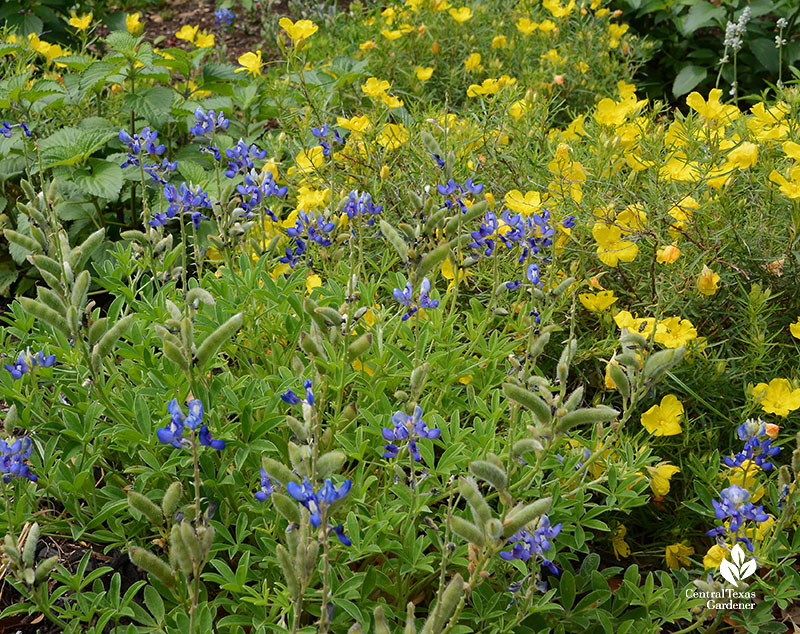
(766, 53)
(154, 105)
(71, 146)
(700, 15)
(689, 76)
(100, 178)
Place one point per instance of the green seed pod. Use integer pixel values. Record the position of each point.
(409, 232)
(287, 567)
(134, 235)
(380, 621)
(298, 459)
(106, 343)
(538, 345)
(587, 415)
(51, 280)
(563, 286)
(435, 221)
(44, 569)
(10, 421)
(73, 321)
(449, 163)
(172, 496)
(350, 412)
(45, 314)
(411, 627)
(143, 504)
(574, 399)
(287, 507)
(390, 233)
(197, 295)
(543, 384)
(80, 290)
(29, 551)
(501, 289)
(97, 330)
(22, 241)
(418, 377)
(446, 605)
(500, 312)
(494, 528)
(659, 363)
(310, 346)
(88, 247)
(415, 200)
(518, 518)
(329, 463)
(187, 333)
(489, 473)
(430, 143)
(51, 299)
(312, 556)
(28, 189)
(214, 341)
(431, 260)
(179, 556)
(359, 346)
(469, 490)
(467, 531)
(533, 402)
(298, 428)
(45, 263)
(796, 463)
(191, 542)
(472, 212)
(277, 471)
(631, 339)
(630, 360)
(526, 445)
(176, 354)
(206, 537)
(148, 562)
(620, 380)
(330, 317)
(784, 477)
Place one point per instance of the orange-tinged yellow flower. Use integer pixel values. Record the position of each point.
(81, 23)
(777, 397)
(675, 332)
(526, 26)
(204, 39)
(677, 555)
(618, 543)
(664, 419)
(795, 329)
(660, 476)
(250, 62)
(187, 32)
(298, 31)
(667, 254)
(615, 32)
(133, 24)
(473, 62)
(461, 15)
(597, 302)
(714, 556)
(611, 248)
(708, 281)
(423, 73)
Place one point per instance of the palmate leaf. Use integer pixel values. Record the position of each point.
(70, 145)
(99, 178)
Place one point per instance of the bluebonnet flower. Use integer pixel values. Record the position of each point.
(212, 149)
(186, 199)
(158, 171)
(482, 238)
(322, 134)
(449, 188)
(318, 502)
(306, 225)
(471, 187)
(26, 362)
(360, 204)
(407, 428)
(735, 508)
(406, 299)
(533, 541)
(207, 122)
(533, 274)
(439, 160)
(757, 445)
(292, 399)
(173, 434)
(256, 188)
(267, 487)
(240, 158)
(6, 129)
(146, 141)
(224, 16)
(12, 459)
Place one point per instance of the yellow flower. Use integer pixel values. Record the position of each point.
(367, 46)
(499, 41)
(609, 112)
(518, 108)
(392, 136)
(664, 419)
(313, 281)
(667, 254)
(423, 73)
(746, 476)
(660, 476)
(555, 8)
(795, 329)
(251, 62)
(391, 102)
(384, 173)
(367, 367)
(616, 31)
(473, 62)
(583, 66)
(678, 555)
(375, 87)
(526, 26)
(618, 543)
(309, 198)
(81, 23)
(525, 204)
(789, 188)
(714, 112)
(298, 31)
(675, 332)
(133, 23)
(611, 248)
(643, 326)
(392, 35)
(714, 556)
(187, 33)
(356, 124)
(708, 282)
(461, 15)
(547, 26)
(448, 274)
(682, 212)
(308, 160)
(743, 156)
(597, 302)
(204, 39)
(777, 397)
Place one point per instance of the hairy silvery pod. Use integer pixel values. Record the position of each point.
(467, 531)
(490, 473)
(445, 606)
(380, 621)
(148, 562)
(288, 569)
(394, 238)
(540, 410)
(10, 421)
(178, 554)
(469, 490)
(172, 496)
(600, 414)
(214, 341)
(521, 516)
(147, 508)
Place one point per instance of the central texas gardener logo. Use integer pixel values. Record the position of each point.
(739, 568)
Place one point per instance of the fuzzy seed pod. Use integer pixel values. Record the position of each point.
(148, 562)
(143, 504)
(45, 314)
(490, 473)
(179, 556)
(107, 341)
(467, 531)
(44, 569)
(172, 496)
(287, 567)
(533, 402)
(214, 341)
(380, 621)
(518, 518)
(469, 490)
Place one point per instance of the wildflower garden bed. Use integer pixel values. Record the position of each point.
(408, 317)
